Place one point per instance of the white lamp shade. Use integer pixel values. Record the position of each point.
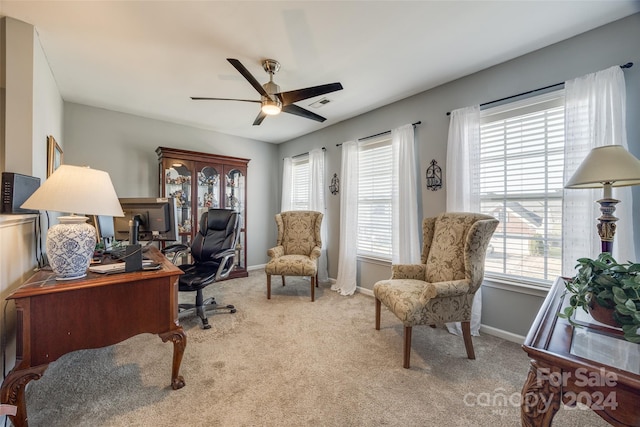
(76, 189)
(610, 164)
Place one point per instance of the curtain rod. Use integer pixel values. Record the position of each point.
(303, 154)
(627, 65)
(379, 134)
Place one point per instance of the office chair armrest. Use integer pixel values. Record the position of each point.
(223, 269)
(276, 252)
(223, 254)
(176, 249)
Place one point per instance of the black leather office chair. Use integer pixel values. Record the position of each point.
(212, 249)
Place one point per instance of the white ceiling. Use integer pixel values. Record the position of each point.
(149, 57)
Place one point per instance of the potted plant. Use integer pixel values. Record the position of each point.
(603, 285)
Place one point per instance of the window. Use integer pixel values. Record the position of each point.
(521, 182)
(300, 183)
(374, 198)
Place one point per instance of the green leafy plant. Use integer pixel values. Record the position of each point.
(605, 282)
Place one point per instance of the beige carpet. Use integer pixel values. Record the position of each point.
(290, 362)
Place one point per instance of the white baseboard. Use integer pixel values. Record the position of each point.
(256, 267)
(505, 335)
(365, 291)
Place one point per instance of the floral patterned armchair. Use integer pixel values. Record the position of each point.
(441, 288)
(298, 247)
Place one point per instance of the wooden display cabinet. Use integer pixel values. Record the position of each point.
(200, 181)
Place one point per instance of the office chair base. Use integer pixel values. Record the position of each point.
(207, 305)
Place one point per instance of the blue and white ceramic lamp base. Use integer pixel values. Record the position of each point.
(70, 247)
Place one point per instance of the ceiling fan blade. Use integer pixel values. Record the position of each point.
(299, 111)
(259, 118)
(199, 98)
(298, 95)
(247, 75)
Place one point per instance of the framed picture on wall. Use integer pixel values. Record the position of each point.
(54, 155)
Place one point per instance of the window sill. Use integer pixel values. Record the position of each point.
(374, 260)
(522, 287)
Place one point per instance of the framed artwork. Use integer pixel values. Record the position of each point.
(54, 155)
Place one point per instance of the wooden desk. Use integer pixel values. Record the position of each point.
(591, 364)
(58, 317)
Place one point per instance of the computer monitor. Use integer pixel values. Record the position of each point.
(105, 230)
(155, 217)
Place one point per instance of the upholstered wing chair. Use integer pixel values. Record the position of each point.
(442, 287)
(298, 247)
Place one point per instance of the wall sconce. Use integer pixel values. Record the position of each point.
(434, 176)
(335, 184)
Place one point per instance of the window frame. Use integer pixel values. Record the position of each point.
(552, 101)
(300, 190)
(379, 185)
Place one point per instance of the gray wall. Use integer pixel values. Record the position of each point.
(616, 43)
(124, 145)
(31, 109)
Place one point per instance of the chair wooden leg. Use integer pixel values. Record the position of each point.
(316, 280)
(407, 346)
(378, 306)
(268, 286)
(468, 344)
(313, 288)
(282, 280)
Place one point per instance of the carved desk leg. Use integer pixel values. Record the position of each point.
(179, 339)
(540, 395)
(12, 391)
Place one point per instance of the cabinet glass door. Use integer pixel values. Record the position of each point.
(235, 199)
(177, 182)
(208, 190)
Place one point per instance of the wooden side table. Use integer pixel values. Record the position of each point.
(591, 364)
(58, 317)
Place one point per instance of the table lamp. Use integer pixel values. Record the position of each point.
(74, 189)
(606, 167)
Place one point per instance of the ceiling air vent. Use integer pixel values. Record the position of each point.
(320, 103)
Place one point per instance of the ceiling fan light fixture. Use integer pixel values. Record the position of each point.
(271, 107)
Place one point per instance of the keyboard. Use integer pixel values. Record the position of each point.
(119, 267)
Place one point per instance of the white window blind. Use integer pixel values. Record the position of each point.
(521, 181)
(300, 186)
(374, 198)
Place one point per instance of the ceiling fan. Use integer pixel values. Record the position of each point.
(271, 99)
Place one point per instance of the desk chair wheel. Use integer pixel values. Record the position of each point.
(201, 310)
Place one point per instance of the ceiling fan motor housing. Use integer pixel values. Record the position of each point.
(270, 87)
(271, 66)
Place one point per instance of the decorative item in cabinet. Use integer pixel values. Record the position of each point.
(177, 184)
(208, 189)
(200, 181)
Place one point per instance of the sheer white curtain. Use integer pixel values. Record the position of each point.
(404, 203)
(594, 116)
(347, 257)
(463, 161)
(462, 181)
(286, 185)
(317, 203)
